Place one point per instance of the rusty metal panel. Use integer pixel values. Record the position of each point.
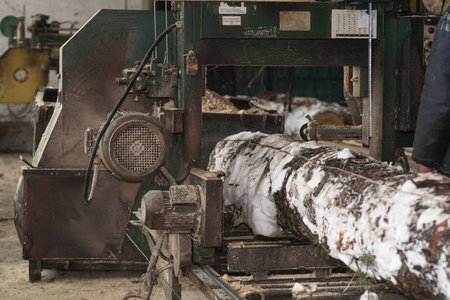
(260, 257)
(211, 226)
(54, 222)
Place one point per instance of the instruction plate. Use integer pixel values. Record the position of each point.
(231, 20)
(295, 20)
(352, 24)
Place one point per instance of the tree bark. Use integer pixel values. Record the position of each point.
(390, 225)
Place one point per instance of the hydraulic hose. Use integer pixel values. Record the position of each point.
(116, 108)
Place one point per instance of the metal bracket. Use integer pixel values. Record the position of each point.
(314, 131)
(90, 136)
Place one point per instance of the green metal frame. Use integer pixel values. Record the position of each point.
(235, 46)
(259, 41)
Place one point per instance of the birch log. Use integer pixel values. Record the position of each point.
(355, 205)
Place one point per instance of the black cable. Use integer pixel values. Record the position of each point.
(117, 106)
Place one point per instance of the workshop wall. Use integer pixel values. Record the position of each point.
(62, 10)
(19, 136)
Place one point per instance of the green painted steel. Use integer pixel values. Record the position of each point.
(259, 41)
(262, 20)
(324, 83)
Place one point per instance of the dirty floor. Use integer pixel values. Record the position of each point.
(55, 285)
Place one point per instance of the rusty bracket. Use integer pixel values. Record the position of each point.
(315, 131)
(191, 63)
(173, 123)
(90, 136)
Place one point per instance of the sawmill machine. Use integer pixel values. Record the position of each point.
(26, 63)
(127, 144)
(25, 66)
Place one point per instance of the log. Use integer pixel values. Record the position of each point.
(355, 206)
(324, 112)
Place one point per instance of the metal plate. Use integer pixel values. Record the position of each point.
(295, 20)
(54, 222)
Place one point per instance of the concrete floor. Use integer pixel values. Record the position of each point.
(57, 284)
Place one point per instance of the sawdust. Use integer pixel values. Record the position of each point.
(237, 285)
(213, 102)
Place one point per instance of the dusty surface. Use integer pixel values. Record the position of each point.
(217, 103)
(57, 284)
(213, 102)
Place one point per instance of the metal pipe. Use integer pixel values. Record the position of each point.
(167, 175)
(154, 26)
(370, 68)
(222, 285)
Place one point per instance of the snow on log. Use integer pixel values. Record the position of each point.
(353, 204)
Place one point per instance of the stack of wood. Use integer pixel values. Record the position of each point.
(356, 207)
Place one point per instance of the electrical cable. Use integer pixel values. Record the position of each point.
(146, 231)
(152, 264)
(117, 106)
(165, 258)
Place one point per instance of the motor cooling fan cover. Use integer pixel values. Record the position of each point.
(133, 147)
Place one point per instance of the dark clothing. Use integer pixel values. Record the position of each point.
(432, 137)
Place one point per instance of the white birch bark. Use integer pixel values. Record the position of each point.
(352, 203)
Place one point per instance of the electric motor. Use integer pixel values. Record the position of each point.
(133, 147)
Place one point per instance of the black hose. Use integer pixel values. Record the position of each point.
(117, 106)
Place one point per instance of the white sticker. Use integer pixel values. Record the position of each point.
(225, 9)
(231, 20)
(363, 19)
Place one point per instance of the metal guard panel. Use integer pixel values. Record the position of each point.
(58, 225)
(90, 62)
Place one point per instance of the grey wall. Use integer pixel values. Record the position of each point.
(78, 11)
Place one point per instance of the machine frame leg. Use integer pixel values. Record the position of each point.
(34, 270)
